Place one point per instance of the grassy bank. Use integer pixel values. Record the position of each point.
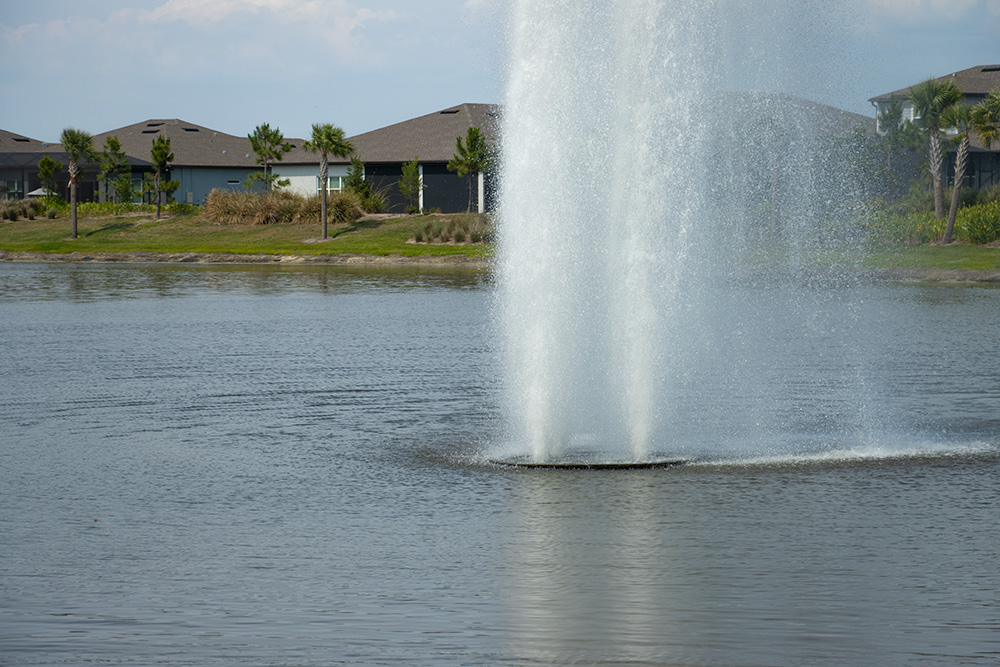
(955, 256)
(193, 233)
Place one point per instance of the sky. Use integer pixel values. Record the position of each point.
(231, 65)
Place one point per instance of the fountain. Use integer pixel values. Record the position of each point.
(617, 230)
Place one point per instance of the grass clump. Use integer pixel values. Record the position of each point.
(15, 209)
(249, 208)
(460, 228)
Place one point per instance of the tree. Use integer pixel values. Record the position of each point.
(897, 132)
(355, 181)
(983, 119)
(327, 140)
(79, 147)
(114, 167)
(160, 158)
(47, 169)
(472, 158)
(410, 184)
(929, 100)
(270, 146)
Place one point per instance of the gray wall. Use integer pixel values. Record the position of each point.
(199, 181)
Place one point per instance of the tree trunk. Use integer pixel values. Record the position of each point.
(960, 162)
(158, 197)
(73, 171)
(324, 178)
(935, 169)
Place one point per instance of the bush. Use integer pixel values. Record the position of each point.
(103, 208)
(250, 208)
(979, 224)
(893, 227)
(344, 207)
(461, 228)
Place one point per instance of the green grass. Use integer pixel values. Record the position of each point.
(954, 256)
(194, 233)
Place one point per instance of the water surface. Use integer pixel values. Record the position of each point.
(286, 466)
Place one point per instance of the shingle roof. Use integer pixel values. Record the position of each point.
(18, 143)
(431, 137)
(191, 144)
(973, 82)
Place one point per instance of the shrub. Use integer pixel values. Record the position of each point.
(893, 227)
(51, 214)
(344, 207)
(249, 208)
(462, 228)
(979, 224)
(92, 209)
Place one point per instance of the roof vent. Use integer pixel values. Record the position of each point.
(21, 139)
(153, 124)
(190, 129)
(150, 131)
(991, 68)
(449, 111)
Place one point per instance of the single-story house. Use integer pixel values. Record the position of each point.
(19, 157)
(204, 159)
(975, 83)
(431, 138)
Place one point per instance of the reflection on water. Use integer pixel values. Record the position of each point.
(89, 282)
(284, 466)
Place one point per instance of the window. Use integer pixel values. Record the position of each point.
(334, 183)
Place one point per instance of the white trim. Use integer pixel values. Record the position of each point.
(482, 192)
(420, 190)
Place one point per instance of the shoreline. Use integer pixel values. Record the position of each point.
(146, 257)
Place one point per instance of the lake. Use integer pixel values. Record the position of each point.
(217, 465)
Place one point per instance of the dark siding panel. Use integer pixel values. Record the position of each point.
(385, 179)
(445, 190)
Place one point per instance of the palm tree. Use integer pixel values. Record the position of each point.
(983, 119)
(472, 158)
(327, 140)
(929, 99)
(79, 146)
(160, 157)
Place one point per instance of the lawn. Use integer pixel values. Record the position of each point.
(194, 233)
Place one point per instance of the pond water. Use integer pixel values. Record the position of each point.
(287, 466)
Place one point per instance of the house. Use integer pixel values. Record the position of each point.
(19, 157)
(431, 138)
(975, 83)
(204, 159)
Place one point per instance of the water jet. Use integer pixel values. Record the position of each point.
(654, 231)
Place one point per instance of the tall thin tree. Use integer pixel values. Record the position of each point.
(270, 146)
(471, 158)
(79, 146)
(160, 158)
(983, 119)
(929, 99)
(329, 141)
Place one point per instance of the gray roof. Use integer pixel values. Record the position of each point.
(18, 151)
(973, 82)
(431, 137)
(191, 144)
